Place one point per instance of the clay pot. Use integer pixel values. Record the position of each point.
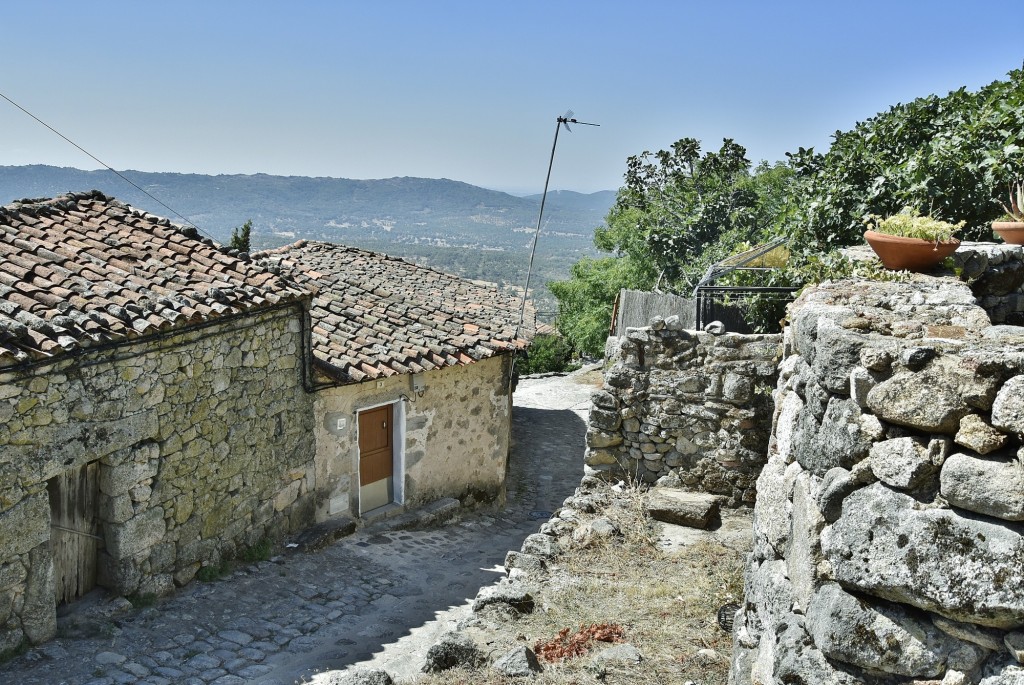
(909, 254)
(1011, 232)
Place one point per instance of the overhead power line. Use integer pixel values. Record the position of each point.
(112, 169)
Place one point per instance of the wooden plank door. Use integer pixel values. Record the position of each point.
(74, 530)
(375, 444)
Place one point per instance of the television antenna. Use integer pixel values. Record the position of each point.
(564, 120)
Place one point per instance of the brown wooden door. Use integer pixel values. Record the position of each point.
(375, 445)
(74, 530)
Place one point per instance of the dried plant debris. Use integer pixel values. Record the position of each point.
(568, 645)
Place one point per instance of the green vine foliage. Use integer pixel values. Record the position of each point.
(950, 157)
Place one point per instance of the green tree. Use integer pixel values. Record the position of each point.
(585, 300)
(240, 237)
(684, 201)
(679, 211)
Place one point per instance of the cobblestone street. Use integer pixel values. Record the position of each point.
(283, 620)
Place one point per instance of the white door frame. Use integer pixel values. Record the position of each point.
(397, 448)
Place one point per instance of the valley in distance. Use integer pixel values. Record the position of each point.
(449, 225)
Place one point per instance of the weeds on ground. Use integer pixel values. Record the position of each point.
(15, 651)
(142, 600)
(261, 551)
(212, 572)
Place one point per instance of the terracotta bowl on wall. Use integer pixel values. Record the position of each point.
(909, 254)
(1010, 231)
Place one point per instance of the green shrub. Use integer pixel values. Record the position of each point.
(547, 353)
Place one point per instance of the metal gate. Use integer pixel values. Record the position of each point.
(727, 304)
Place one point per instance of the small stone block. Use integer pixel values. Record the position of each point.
(682, 508)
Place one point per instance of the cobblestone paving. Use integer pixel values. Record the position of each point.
(283, 620)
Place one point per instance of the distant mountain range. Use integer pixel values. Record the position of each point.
(455, 226)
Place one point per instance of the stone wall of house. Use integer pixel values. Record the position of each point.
(455, 436)
(888, 534)
(686, 403)
(204, 445)
(995, 273)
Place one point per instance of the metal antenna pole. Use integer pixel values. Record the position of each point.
(559, 122)
(536, 234)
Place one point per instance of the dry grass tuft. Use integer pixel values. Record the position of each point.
(664, 604)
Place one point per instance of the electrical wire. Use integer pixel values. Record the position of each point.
(110, 168)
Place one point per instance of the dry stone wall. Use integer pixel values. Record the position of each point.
(995, 272)
(888, 543)
(203, 442)
(688, 405)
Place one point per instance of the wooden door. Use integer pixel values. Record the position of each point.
(74, 530)
(375, 444)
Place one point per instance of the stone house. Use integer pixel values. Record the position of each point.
(166, 403)
(411, 370)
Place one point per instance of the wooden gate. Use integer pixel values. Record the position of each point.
(74, 530)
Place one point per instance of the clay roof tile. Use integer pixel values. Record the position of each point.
(94, 261)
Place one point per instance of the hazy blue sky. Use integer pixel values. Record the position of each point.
(470, 90)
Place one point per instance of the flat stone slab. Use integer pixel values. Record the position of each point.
(881, 545)
(682, 508)
(734, 533)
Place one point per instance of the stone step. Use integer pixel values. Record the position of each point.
(683, 508)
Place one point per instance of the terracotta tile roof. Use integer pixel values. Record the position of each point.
(375, 316)
(82, 270)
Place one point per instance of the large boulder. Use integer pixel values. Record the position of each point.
(976, 435)
(842, 438)
(902, 463)
(798, 660)
(883, 545)
(771, 593)
(358, 677)
(992, 485)
(1002, 670)
(878, 636)
(520, 662)
(804, 553)
(773, 507)
(512, 595)
(837, 353)
(934, 399)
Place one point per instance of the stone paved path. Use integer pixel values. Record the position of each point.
(377, 595)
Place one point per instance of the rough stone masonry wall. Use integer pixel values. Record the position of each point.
(456, 435)
(888, 543)
(995, 272)
(204, 442)
(688, 403)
